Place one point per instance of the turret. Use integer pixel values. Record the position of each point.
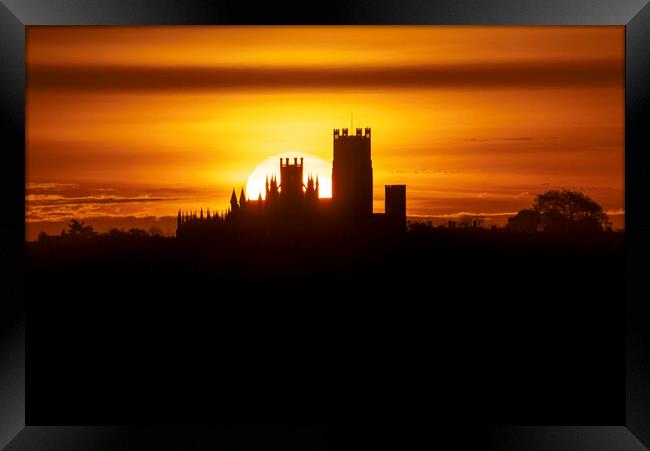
(233, 201)
(291, 181)
(395, 205)
(242, 198)
(273, 193)
(311, 192)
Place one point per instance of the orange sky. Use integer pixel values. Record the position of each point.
(141, 121)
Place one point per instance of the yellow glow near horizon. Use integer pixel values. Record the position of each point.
(312, 165)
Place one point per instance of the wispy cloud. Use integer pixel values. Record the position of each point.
(57, 201)
(48, 186)
(426, 171)
(481, 140)
(50, 199)
(459, 214)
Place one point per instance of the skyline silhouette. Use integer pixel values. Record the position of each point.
(288, 199)
(139, 122)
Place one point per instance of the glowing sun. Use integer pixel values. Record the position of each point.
(312, 165)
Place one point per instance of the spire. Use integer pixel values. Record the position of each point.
(242, 198)
(233, 201)
(201, 212)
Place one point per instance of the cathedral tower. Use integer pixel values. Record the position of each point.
(352, 173)
(291, 180)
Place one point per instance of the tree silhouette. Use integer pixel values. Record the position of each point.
(469, 221)
(565, 210)
(114, 232)
(526, 220)
(78, 229)
(138, 233)
(155, 231)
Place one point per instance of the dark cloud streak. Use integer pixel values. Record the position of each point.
(538, 74)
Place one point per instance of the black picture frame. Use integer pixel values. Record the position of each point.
(15, 15)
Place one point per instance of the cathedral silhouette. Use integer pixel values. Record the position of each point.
(290, 203)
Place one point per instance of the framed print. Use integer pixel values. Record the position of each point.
(266, 226)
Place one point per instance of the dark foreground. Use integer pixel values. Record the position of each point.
(354, 333)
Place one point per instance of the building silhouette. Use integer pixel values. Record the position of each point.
(395, 203)
(352, 173)
(291, 201)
